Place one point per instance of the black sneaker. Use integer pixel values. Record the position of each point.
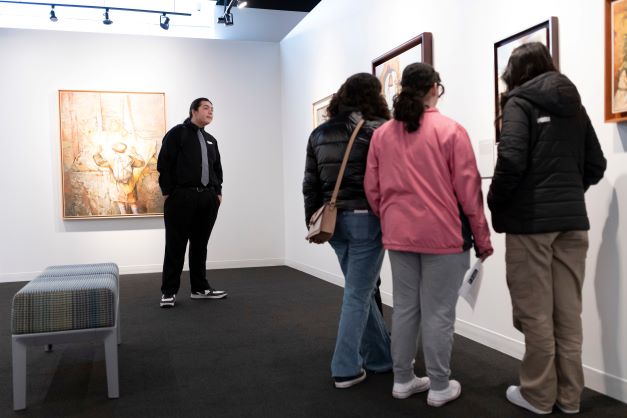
(346, 382)
(209, 294)
(167, 301)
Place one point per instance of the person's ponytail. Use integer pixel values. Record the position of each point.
(409, 104)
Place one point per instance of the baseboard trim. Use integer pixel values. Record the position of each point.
(608, 384)
(155, 268)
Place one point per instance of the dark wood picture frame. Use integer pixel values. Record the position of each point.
(611, 74)
(424, 45)
(551, 41)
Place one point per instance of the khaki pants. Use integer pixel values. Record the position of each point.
(545, 275)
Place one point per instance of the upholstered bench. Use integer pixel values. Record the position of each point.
(54, 309)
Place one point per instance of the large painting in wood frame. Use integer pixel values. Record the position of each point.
(109, 146)
(545, 32)
(615, 60)
(388, 68)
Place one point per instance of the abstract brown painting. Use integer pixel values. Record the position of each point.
(109, 147)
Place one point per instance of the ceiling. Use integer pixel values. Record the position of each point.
(261, 20)
(286, 5)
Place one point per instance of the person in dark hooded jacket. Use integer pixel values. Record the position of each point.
(548, 156)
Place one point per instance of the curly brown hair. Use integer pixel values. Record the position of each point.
(361, 92)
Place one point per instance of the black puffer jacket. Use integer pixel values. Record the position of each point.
(548, 155)
(325, 151)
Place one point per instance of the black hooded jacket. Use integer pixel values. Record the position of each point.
(325, 151)
(548, 156)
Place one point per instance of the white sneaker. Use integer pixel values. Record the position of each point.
(415, 385)
(566, 410)
(440, 397)
(514, 396)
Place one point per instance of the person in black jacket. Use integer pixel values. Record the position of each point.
(363, 340)
(548, 156)
(190, 177)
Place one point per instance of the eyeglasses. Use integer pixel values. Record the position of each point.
(441, 89)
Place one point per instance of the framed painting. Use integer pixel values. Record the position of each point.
(615, 60)
(109, 147)
(388, 68)
(545, 33)
(320, 111)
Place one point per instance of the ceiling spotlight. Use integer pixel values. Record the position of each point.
(53, 17)
(106, 20)
(242, 4)
(164, 22)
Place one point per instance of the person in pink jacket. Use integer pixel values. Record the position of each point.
(422, 181)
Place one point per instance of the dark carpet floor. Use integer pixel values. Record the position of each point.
(263, 352)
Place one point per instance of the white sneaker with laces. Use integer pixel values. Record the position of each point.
(415, 385)
(566, 410)
(440, 397)
(514, 396)
(209, 294)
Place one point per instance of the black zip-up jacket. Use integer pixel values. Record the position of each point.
(548, 156)
(325, 151)
(180, 161)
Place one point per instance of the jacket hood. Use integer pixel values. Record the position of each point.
(552, 92)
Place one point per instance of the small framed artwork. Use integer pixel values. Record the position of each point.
(109, 147)
(615, 60)
(320, 111)
(545, 33)
(388, 68)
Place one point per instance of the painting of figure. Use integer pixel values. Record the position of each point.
(388, 68)
(109, 145)
(619, 56)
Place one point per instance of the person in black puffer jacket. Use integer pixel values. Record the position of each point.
(363, 341)
(548, 156)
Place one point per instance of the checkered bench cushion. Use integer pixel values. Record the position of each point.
(80, 302)
(75, 269)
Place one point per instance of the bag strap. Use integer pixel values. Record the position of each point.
(344, 162)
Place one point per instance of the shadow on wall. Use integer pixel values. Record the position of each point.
(607, 285)
(620, 143)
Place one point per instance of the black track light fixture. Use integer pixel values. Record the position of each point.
(106, 20)
(53, 16)
(164, 22)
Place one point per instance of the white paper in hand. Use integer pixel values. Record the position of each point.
(472, 281)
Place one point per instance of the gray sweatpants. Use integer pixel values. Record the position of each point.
(425, 296)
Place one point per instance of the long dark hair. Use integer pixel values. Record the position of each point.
(196, 104)
(526, 63)
(361, 92)
(417, 80)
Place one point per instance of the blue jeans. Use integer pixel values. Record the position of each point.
(362, 339)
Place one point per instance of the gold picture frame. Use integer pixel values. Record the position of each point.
(109, 146)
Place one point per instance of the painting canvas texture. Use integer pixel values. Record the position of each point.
(389, 73)
(619, 56)
(109, 147)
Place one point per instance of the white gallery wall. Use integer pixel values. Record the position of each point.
(339, 38)
(241, 78)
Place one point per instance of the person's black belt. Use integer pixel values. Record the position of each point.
(199, 189)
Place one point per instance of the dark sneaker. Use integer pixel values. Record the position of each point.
(167, 301)
(209, 294)
(346, 382)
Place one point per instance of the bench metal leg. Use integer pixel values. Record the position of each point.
(111, 360)
(19, 374)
